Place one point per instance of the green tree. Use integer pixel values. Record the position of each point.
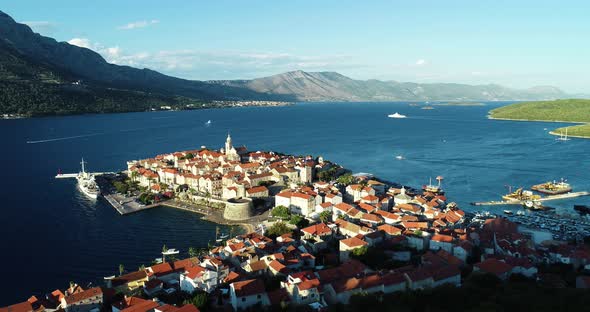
(134, 175)
(345, 179)
(121, 187)
(192, 252)
(198, 299)
(325, 216)
(280, 212)
(298, 221)
(359, 252)
(278, 229)
(208, 197)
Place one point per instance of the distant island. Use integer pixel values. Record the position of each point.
(460, 104)
(570, 110)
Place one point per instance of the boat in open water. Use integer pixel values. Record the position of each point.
(396, 115)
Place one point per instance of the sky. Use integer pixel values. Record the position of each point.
(518, 44)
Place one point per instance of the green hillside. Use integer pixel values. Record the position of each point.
(577, 131)
(574, 110)
(570, 110)
(30, 88)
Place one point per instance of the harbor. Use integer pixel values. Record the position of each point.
(522, 202)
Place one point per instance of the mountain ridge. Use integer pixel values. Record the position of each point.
(329, 86)
(72, 63)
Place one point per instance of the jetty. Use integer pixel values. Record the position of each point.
(125, 205)
(521, 202)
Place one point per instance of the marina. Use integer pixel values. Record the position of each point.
(541, 199)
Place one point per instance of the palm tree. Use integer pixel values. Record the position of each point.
(134, 175)
(208, 197)
(164, 249)
(121, 269)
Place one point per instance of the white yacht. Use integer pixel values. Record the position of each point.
(396, 115)
(86, 182)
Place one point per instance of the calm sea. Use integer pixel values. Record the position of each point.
(50, 234)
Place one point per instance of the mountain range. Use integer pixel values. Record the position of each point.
(52, 70)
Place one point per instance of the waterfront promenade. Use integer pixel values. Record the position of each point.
(128, 205)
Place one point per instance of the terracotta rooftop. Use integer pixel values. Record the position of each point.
(248, 287)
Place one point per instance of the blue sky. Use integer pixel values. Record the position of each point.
(514, 43)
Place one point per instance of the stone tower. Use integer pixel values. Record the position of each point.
(228, 145)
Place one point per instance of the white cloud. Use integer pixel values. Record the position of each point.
(206, 65)
(42, 27)
(81, 42)
(420, 62)
(138, 24)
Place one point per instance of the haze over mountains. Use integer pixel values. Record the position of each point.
(70, 63)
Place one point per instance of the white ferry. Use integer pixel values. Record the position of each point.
(86, 182)
(396, 115)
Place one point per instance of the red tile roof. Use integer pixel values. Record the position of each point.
(277, 266)
(19, 307)
(442, 238)
(354, 242)
(309, 284)
(162, 269)
(248, 287)
(89, 293)
(390, 229)
(257, 189)
(371, 218)
(494, 266)
(194, 272)
(317, 229)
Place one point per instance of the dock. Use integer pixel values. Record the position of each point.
(125, 205)
(542, 199)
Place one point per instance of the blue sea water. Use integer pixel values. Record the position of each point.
(50, 234)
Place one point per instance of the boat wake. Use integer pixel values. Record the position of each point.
(63, 138)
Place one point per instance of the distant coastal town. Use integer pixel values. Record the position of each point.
(316, 236)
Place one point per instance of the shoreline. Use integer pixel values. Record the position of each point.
(552, 132)
(536, 120)
(569, 136)
(237, 105)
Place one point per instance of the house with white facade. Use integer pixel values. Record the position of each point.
(245, 294)
(198, 278)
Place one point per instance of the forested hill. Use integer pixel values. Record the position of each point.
(30, 88)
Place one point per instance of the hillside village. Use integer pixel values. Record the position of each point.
(356, 236)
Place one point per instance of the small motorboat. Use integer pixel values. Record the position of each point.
(399, 157)
(171, 251)
(396, 115)
(508, 212)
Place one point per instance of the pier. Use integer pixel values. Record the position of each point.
(521, 202)
(126, 205)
